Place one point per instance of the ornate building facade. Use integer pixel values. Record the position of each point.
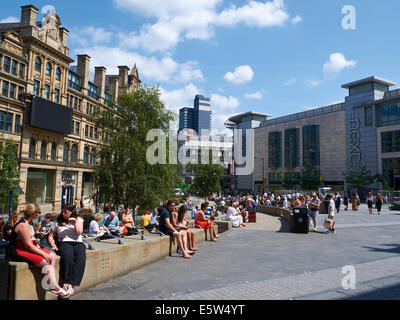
(48, 108)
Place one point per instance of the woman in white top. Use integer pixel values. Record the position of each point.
(331, 212)
(234, 215)
(68, 230)
(94, 229)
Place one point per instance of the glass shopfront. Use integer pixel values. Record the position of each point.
(40, 186)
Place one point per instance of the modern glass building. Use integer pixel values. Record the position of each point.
(197, 118)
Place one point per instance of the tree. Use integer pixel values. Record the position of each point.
(207, 179)
(359, 177)
(123, 175)
(310, 178)
(9, 177)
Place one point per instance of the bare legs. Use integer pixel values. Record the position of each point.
(182, 243)
(190, 237)
(49, 281)
(213, 234)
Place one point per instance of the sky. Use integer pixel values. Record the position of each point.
(276, 56)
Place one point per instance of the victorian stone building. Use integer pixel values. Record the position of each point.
(47, 107)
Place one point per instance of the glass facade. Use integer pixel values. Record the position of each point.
(292, 148)
(40, 186)
(74, 81)
(293, 177)
(275, 178)
(390, 141)
(391, 173)
(311, 151)
(389, 114)
(275, 150)
(93, 91)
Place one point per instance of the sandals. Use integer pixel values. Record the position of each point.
(69, 290)
(60, 293)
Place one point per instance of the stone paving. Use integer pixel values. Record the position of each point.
(264, 262)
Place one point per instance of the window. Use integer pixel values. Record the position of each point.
(57, 95)
(48, 68)
(86, 156)
(6, 121)
(311, 150)
(21, 70)
(275, 150)
(38, 64)
(91, 132)
(32, 149)
(96, 135)
(70, 100)
(86, 131)
(74, 154)
(43, 151)
(75, 103)
(47, 92)
(53, 152)
(12, 91)
(368, 116)
(36, 88)
(14, 66)
(390, 141)
(292, 148)
(92, 157)
(58, 74)
(17, 125)
(5, 88)
(77, 127)
(6, 64)
(275, 178)
(65, 153)
(74, 81)
(93, 91)
(389, 114)
(79, 104)
(20, 92)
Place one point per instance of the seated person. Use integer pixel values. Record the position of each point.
(194, 211)
(167, 228)
(183, 224)
(8, 227)
(129, 223)
(202, 222)
(234, 216)
(44, 230)
(244, 213)
(146, 221)
(181, 229)
(111, 223)
(94, 228)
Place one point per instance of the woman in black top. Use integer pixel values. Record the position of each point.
(378, 203)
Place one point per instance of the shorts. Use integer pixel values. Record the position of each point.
(167, 232)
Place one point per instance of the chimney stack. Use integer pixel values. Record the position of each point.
(29, 16)
(100, 80)
(113, 84)
(83, 71)
(123, 76)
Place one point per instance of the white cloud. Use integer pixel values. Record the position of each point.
(196, 19)
(90, 36)
(255, 95)
(179, 98)
(241, 74)
(151, 68)
(297, 19)
(290, 81)
(222, 109)
(314, 83)
(337, 63)
(9, 20)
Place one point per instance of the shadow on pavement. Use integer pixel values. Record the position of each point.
(395, 248)
(284, 226)
(386, 293)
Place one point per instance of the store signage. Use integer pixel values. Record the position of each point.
(355, 140)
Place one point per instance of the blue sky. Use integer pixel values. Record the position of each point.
(275, 56)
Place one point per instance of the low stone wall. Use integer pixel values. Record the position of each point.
(275, 211)
(109, 260)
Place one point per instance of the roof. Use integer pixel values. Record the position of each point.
(238, 118)
(368, 80)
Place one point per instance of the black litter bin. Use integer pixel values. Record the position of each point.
(300, 220)
(4, 280)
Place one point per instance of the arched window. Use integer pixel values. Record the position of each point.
(86, 156)
(48, 68)
(53, 152)
(38, 64)
(74, 154)
(58, 74)
(32, 147)
(43, 150)
(92, 157)
(65, 153)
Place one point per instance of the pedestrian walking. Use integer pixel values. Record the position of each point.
(378, 203)
(370, 201)
(355, 202)
(346, 201)
(338, 201)
(314, 208)
(330, 222)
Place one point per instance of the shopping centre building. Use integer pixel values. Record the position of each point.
(364, 130)
(47, 107)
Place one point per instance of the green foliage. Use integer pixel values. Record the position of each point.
(359, 177)
(9, 177)
(310, 178)
(207, 179)
(124, 176)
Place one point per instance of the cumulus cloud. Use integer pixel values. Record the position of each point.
(9, 20)
(241, 74)
(290, 81)
(255, 95)
(196, 19)
(223, 108)
(337, 63)
(151, 68)
(179, 98)
(297, 19)
(90, 36)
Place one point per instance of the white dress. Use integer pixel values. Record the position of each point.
(231, 216)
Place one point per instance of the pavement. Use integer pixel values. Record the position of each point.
(265, 262)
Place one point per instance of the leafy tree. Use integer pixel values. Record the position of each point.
(310, 178)
(9, 177)
(207, 179)
(359, 177)
(123, 175)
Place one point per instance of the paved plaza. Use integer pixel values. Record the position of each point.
(265, 262)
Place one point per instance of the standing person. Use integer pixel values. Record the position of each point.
(23, 248)
(346, 201)
(338, 201)
(314, 208)
(223, 203)
(167, 228)
(331, 213)
(202, 222)
(354, 202)
(378, 203)
(68, 229)
(370, 201)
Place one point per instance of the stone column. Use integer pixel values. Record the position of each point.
(57, 190)
(79, 185)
